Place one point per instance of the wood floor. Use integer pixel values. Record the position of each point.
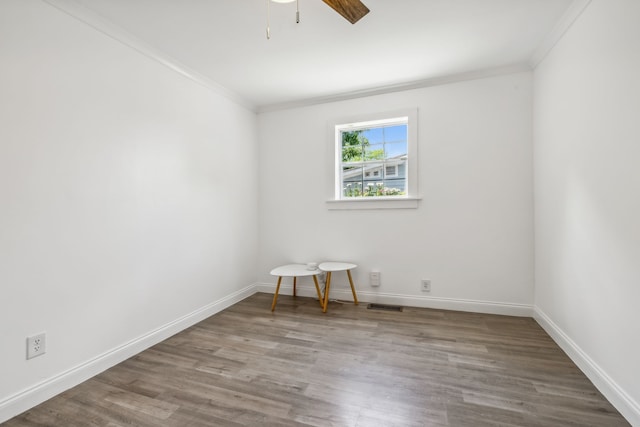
(247, 366)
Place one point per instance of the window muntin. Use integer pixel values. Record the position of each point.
(372, 159)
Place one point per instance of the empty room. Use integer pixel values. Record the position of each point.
(319, 213)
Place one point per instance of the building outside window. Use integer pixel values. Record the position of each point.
(373, 158)
(374, 161)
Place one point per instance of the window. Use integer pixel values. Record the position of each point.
(391, 171)
(375, 160)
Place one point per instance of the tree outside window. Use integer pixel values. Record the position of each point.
(368, 156)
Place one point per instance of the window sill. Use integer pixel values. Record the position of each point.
(374, 203)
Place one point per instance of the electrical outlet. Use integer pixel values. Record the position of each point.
(374, 278)
(426, 285)
(36, 345)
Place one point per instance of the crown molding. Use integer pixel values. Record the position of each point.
(108, 28)
(381, 90)
(566, 21)
(101, 24)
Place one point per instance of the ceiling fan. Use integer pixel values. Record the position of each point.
(351, 10)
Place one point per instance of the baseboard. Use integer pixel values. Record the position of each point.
(28, 398)
(628, 407)
(32, 396)
(488, 307)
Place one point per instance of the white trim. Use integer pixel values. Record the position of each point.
(408, 116)
(629, 408)
(32, 396)
(38, 393)
(474, 306)
(108, 28)
(99, 23)
(392, 202)
(570, 16)
(381, 90)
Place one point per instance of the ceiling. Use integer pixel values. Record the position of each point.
(399, 43)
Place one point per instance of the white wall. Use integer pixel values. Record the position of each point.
(472, 234)
(587, 197)
(128, 197)
(118, 195)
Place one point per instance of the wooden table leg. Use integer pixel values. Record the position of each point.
(353, 289)
(315, 280)
(294, 285)
(326, 293)
(275, 296)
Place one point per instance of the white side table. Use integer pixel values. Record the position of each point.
(330, 267)
(295, 271)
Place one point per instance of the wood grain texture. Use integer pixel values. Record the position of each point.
(247, 366)
(351, 10)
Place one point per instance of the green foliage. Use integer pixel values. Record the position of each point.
(354, 149)
(352, 144)
(374, 154)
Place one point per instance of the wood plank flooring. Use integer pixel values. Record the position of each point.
(247, 366)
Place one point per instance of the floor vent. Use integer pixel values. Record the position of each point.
(385, 307)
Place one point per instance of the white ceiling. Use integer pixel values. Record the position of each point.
(400, 42)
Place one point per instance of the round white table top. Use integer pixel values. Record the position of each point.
(336, 266)
(293, 270)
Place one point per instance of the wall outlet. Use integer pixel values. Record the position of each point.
(36, 345)
(426, 285)
(374, 278)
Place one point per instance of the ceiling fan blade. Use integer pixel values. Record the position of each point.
(351, 10)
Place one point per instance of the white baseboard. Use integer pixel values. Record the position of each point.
(488, 307)
(32, 396)
(628, 407)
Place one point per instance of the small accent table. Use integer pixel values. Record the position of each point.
(295, 271)
(330, 267)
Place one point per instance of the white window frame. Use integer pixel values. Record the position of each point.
(334, 188)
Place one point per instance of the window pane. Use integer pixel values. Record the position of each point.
(352, 143)
(395, 150)
(373, 152)
(396, 133)
(351, 173)
(390, 170)
(352, 137)
(373, 172)
(373, 161)
(351, 181)
(374, 135)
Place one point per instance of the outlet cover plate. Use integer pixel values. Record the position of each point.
(374, 278)
(36, 345)
(426, 285)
